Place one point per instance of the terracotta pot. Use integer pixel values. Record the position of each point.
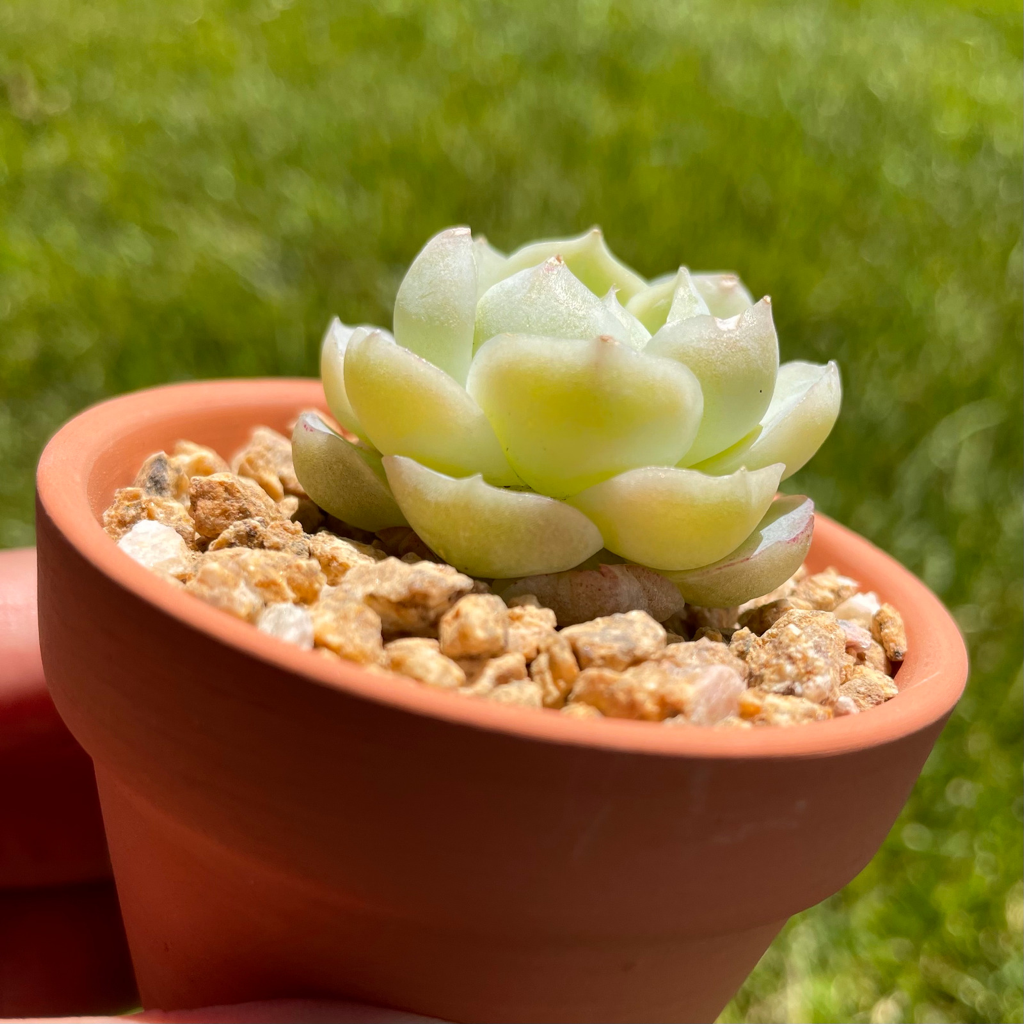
(284, 826)
(51, 831)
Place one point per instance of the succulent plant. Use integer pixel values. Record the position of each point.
(533, 411)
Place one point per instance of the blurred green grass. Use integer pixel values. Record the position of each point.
(190, 189)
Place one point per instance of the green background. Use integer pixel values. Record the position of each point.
(190, 189)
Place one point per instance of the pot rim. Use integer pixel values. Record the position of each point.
(931, 679)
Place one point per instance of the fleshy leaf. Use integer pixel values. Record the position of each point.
(571, 413)
(724, 293)
(488, 531)
(436, 303)
(686, 300)
(407, 406)
(736, 362)
(490, 264)
(332, 371)
(344, 479)
(764, 561)
(803, 410)
(678, 518)
(587, 256)
(545, 300)
(674, 296)
(636, 335)
(651, 305)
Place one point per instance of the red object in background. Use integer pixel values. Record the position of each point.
(62, 945)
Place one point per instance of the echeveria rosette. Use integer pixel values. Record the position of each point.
(533, 410)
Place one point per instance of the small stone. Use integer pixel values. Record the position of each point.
(741, 642)
(476, 627)
(734, 722)
(888, 629)
(484, 674)
(555, 670)
(859, 608)
(161, 477)
(349, 628)
(420, 658)
(762, 617)
(267, 459)
(225, 587)
(616, 641)
(410, 599)
(529, 627)
(276, 575)
(522, 692)
(580, 711)
(653, 691)
(800, 655)
(289, 622)
(867, 687)
(845, 705)
(223, 498)
(709, 633)
(132, 505)
(158, 547)
(277, 535)
(336, 556)
(702, 654)
(824, 590)
(875, 658)
(195, 460)
(761, 708)
(714, 695)
(858, 639)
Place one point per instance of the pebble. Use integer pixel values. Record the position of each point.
(157, 547)
(249, 541)
(289, 622)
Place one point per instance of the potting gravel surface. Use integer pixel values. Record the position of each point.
(247, 539)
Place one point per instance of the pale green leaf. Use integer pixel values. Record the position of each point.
(736, 361)
(765, 560)
(571, 413)
(587, 256)
(803, 410)
(408, 406)
(344, 479)
(488, 531)
(436, 303)
(678, 518)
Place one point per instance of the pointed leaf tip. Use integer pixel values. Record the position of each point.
(436, 303)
